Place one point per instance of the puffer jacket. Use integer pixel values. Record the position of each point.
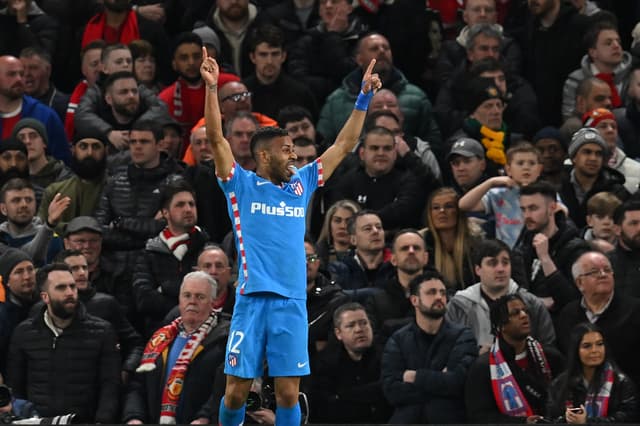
(76, 371)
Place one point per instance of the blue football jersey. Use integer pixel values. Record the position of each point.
(269, 226)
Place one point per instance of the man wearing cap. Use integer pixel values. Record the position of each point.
(84, 233)
(19, 279)
(589, 175)
(88, 162)
(468, 164)
(553, 148)
(605, 123)
(43, 169)
(185, 97)
(15, 105)
(23, 229)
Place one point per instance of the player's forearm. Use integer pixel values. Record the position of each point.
(213, 117)
(350, 133)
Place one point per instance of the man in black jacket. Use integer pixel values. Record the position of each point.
(625, 258)
(345, 384)
(63, 359)
(547, 247)
(425, 363)
(168, 256)
(175, 381)
(106, 307)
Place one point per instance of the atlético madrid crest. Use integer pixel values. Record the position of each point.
(233, 360)
(297, 187)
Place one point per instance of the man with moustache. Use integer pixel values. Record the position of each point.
(13, 160)
(425, 363)
(546, 247)
(63, 359)
(88, 162)
(625, 258)
(16, 105)
(169, 256)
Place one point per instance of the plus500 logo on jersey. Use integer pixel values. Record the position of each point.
(281, 210)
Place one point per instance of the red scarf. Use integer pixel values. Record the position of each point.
(616, 102)
(95, 29)
(74, 101)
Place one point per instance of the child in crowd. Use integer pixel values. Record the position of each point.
(600, 208)
(500, 195)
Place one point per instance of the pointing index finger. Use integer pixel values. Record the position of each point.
(205, 55)
(370, 68)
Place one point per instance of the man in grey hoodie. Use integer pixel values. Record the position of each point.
(471, 306)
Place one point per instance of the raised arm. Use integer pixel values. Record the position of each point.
(222, 155)
(348, 136)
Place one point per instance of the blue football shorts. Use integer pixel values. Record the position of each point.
(272, 327)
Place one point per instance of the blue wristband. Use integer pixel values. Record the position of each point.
(362, 103)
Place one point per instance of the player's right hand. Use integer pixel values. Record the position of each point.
(209, 70)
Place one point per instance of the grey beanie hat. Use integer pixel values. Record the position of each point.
(34, 124)
(584, 136)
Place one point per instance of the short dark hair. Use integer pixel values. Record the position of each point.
(291, 113)
(31, 51)
(118, 75)
(622, 209)
(499, 311)
(264, 136)
(140, 49)
(42, 276)
(489, 248)
(172, 188)
(267, 33)
(486, 65)
(107, 49)
(590, 38)
(95, 44)
(62, 255)
(370, 121)
(402, 232)
(349, 306)
(541, 187)
(186, 37)
(428, 275)
(148, 126)
(379, 131)
(15, 184)
(351, 222)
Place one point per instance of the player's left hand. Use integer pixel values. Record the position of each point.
(371, 80)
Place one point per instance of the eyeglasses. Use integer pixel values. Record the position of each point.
(597, 272)
(237, 97)
(312, 258)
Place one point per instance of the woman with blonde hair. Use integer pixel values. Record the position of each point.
(334, 241)
(449, 239)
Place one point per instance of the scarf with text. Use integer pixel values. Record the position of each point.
(160, 342)
(506, 391)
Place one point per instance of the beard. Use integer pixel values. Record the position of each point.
(191, 80)
(89, 168)
(125, 110)
(631, 241)
(117, 6)
(61, 311)
(432, 312)
(13, 172)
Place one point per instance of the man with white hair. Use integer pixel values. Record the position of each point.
(617, 316)
(175, 380)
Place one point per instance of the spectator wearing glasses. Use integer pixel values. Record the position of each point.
(617, 316)
(235, 97)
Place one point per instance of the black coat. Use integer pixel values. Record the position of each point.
(158, 275)
(441, 362)
(623, 402)
(77, 371)
(145, 394)
(269, 99)
(620, 323)
(322, 301)
(347, 391)
(626, 267)
(479, 397)
(389, 309)
(12, 312)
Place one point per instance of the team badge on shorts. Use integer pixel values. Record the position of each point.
(232, 360)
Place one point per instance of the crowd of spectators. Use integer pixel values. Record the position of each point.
(476, 258)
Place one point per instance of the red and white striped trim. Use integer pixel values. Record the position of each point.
(230, 175)
(238, 228)
(320, 172)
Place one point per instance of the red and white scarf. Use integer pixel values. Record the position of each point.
(159, 343)
(598, 405)
(74, 101)
(506, 391)
(178, 244)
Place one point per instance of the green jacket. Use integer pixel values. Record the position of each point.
(417, 109)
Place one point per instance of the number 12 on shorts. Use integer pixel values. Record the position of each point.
(235, 338)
